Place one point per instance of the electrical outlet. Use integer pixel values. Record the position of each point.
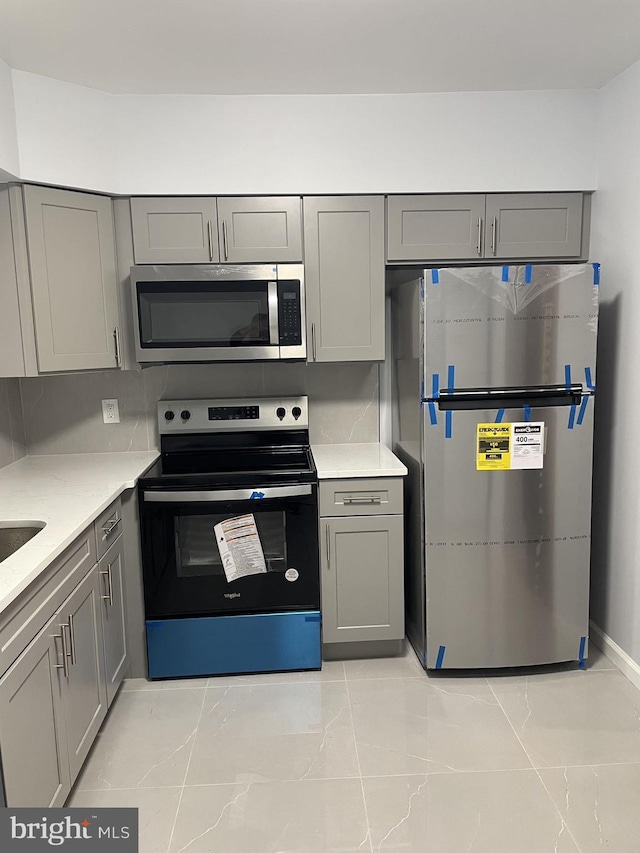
(110, 413)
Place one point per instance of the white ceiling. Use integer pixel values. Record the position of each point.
(321, 46)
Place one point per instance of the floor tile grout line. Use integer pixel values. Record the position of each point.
(186, 772)
(355, 742)
(559, 813)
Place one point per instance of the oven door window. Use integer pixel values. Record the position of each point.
(203, 314)
(197, 553)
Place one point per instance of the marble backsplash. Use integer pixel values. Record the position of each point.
(12, 437)
(63, 414)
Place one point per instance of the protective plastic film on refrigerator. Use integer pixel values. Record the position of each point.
(494, 378)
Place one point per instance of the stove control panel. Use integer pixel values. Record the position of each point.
(178, 416)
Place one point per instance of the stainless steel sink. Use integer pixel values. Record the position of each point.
(14, 535)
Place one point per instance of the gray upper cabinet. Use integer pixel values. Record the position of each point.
(175, 230)
(72, 262)
(493, 226)
(534, 225)
(32, 731)
(432, 227)
(362, 578)
(260, 229)
(344, 275)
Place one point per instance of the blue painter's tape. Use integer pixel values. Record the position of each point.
(499, 416)
(435, 276)
(581, 651)
(583, 409)
(435, 385)
(421, 290)
(433, 416)
(528, 272)
(596, 274)
(505, 273)
(440, 658)
(256, 496)
(448, 424)
(451, 378)
(572, 417)
(527, 412)
(567, 376)
(588, 379)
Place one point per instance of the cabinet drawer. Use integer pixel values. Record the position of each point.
(361, 497)
(26, 616)
(108, 527)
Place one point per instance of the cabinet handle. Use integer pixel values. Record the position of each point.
(64, 666)
(109, 527)
(210, 236)
(313, 341)
(224, 240)
(72, 640)
(328, 538)
(494, 228)
(109, 596)
(116, 337)
(373, 499)
(479, 243)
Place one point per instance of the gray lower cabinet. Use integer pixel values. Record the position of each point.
(33, 741)
(113, 617)
(84, 694)
(72, 266)
(175, 230)
(344, 276)
(505, 226)
(260, 230)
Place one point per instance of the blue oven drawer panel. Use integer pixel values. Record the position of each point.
(217, 645)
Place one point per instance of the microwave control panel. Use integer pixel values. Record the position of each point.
(289, 313)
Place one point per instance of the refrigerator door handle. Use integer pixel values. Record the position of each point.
(497, 398)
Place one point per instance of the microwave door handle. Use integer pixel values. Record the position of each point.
(210, 496)
(272, 292)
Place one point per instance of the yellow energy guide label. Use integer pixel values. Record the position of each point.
(511, 446)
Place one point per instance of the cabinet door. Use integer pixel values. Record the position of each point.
(83, 690)
(32, 733)
(534, 225)
(362, 569)
(71, 245)
(174, 230)
(344, 274)
(260, 229)
(435, 227)
(111, 569)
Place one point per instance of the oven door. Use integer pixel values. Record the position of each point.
(182, 562)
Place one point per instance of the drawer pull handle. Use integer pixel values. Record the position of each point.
(110, 526)
(109, 596)
(373, 499)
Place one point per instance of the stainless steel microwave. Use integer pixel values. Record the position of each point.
(219, 313)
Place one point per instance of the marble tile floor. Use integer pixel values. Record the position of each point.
(374, 755)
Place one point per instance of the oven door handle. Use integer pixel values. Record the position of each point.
(267, 493)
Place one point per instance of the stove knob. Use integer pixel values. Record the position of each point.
(185, 415)
(280, 412)
(296, 412)
(169, 416)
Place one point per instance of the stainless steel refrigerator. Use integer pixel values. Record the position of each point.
(493, 381)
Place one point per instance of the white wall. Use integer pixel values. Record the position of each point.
(201, 144)
(9, 161)
(66, 133)
(615, 243)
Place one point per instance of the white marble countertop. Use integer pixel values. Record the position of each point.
(67, 492)
(335, 461)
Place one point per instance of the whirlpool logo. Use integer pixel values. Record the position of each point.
(74, 829)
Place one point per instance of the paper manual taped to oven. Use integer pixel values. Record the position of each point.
(240, 547)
